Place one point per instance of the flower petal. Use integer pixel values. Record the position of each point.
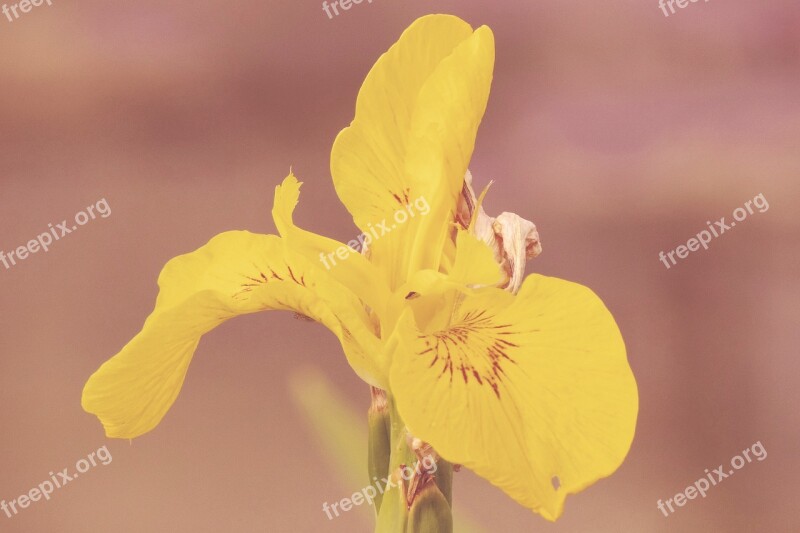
(532, 392)
(407, 148)
(443, 131)
(354, 271)
(474, 263)
(235, 273)
(368, 157)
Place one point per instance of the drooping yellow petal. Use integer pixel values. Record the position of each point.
(398, 168)
(235, 273)
(532, 392)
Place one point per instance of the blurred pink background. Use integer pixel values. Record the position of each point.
(617, 130)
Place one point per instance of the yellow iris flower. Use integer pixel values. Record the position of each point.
(531, 390)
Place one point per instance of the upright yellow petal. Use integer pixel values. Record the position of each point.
(347, 265)
(368, 157)
(409, 145)
(443, 131)
(532, 392)
(474, 262)
(235, 273)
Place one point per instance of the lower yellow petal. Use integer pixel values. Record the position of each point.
(532, 392)
(235, 273)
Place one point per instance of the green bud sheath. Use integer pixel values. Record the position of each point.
(380, 445)
(394, 512)
(430, 512)
(415, 503)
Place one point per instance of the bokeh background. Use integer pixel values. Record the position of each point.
(617, 130)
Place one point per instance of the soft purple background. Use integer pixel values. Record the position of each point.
(617, 130)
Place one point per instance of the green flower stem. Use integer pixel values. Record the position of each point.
(444, 480)
(430, 510)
